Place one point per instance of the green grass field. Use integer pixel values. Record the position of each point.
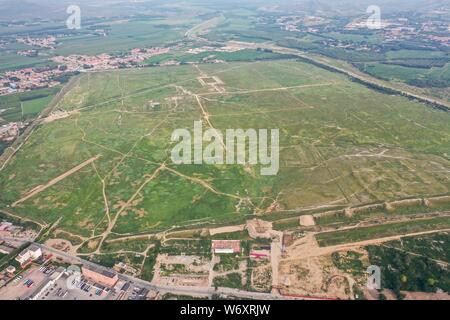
(433, 77)
(381, 231)
(124, 36)
(434, 246)
(26, 105)
(341, 144)
(241, 55)
(12, 61)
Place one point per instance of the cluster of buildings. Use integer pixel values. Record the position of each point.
(393, 29)
(300, 23)
(289, 23)
(24, 259)
(14, 235)
(36, 273)
(134, 58)
(33, 275)
(443, 40)
(234, 247)
(7, 227)
(28, 53)
(226, 246)
(10, 230)
(10, 131)
(6, 248)
(430, 31)
(35, 78)
(402, 28)
(29, 79)
(47, 42)
(125, 268)
(108, 281)
(6, 275)
(29, 255)
(362, 24)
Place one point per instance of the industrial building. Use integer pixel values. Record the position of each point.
(28, 255)
(226, 246)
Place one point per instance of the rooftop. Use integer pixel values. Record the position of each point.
(103, 272)
(226, 244)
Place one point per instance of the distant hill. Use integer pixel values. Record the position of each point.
(24, 9)
(348, 7)
(37, 9)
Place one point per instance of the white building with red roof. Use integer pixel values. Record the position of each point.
(226, 246)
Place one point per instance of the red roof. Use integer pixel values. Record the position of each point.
(234, 245)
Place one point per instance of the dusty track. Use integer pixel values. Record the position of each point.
(268, 89)
(203, 183)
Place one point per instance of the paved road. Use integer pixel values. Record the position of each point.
(180, 290)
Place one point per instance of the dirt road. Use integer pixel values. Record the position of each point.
(307, 247)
